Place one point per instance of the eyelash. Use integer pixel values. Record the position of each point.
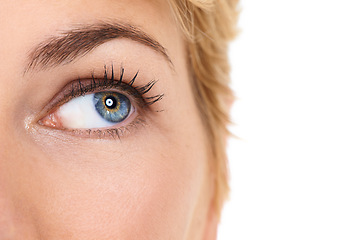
(78, 88)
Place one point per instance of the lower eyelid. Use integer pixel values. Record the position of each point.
(111, 133)
(70, 135)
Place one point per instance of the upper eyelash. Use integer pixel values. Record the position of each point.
(79, 89)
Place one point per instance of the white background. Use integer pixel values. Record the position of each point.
(295, 173)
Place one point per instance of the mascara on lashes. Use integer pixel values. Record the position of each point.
(78, 88)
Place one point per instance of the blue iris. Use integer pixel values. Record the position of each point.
(112, 106)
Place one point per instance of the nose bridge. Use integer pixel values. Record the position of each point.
(7, 146)
(6, 153)
(11, 209)
(7, 210)
(15, 217)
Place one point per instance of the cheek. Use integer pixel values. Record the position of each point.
(146, 189)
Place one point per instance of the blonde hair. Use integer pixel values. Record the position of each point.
(208, 26)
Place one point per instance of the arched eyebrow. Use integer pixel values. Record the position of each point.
(79, 41)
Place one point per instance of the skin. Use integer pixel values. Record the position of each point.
(152, 183)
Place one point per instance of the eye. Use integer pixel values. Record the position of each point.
(101, 106)
(97, 110)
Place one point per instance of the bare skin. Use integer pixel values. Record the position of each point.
(149, 179)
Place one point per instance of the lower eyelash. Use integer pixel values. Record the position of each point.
(112, 133)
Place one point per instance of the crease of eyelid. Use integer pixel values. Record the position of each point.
(79, 41)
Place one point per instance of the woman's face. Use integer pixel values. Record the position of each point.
(100, 136)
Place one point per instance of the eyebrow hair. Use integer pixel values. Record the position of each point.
(79, 41)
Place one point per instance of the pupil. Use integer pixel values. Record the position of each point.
(110, 102)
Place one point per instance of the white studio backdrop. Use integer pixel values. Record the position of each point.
(295, 172)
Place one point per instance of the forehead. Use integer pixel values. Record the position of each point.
(27, 23)
(76, 10)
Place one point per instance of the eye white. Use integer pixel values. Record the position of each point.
(80, 113)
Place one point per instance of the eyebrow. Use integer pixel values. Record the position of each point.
(79, 41)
